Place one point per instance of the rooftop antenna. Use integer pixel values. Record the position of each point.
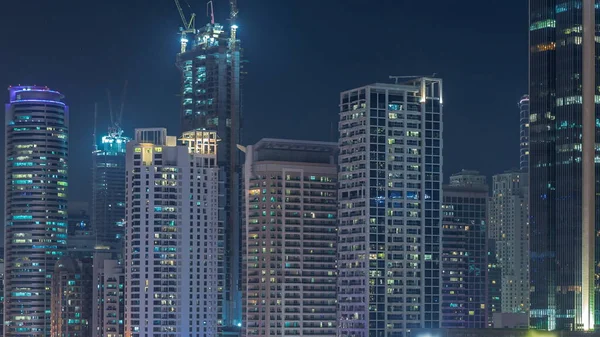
(209, 6)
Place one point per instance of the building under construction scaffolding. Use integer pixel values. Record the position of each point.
(210, 64)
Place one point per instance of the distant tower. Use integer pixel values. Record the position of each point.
(72, 298)
(509, 228)
(524, 133)
(464, 262)
(35, 210)
(210, 66)
(108, 182)
(171, 246)
(108, 296)
(108, 189)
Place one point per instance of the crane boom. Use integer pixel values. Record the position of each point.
(188, 26)
(183, 19)
(234, 10)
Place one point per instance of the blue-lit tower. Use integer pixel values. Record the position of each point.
(210, 65)
(35, 209)
(108, 189)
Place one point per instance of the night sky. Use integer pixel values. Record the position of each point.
(300, 54)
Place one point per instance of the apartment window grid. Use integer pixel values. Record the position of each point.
(159, 239)
(399, 131)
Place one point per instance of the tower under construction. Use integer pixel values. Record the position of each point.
(209, 62)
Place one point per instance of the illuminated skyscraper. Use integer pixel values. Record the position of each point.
(464, 262)
(390, 217)
(509, 228)
(563, 185)
(35, 210)
(211, 99)
(108, 190)
(290, 239)
(171, 247)
(72, 298)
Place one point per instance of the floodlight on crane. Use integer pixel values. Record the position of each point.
(189, 26)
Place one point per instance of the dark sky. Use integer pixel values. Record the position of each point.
(301, 55)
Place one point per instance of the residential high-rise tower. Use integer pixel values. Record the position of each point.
(35, 209)
(563, 188)
(171, 247)
(390, 217)
(72, 298)
(290, 239)
(509, 228)
(464, 251)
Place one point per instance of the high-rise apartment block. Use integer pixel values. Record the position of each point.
(210, 65)
(524, 134)
(509, 228)
(108, 296)
(171, 249)
(562, 166)
(35, 209)
(390, 220)
(464, 251)
(108, 190)
(72, 298)
(290, 239)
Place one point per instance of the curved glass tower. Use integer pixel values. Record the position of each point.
(35, 210)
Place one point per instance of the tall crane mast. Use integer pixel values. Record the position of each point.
(232, 17)
(188, 26)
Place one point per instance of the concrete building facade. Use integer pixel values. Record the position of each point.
(72, 298)
(509, 228)
(289, 263)
(171, 250)
(108, 296)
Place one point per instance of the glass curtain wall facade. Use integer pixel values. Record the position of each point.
(390, 208)
(108, 191)
(211, 99)
(464, 262)
(556, 105)
(524, 133)
(35, 209)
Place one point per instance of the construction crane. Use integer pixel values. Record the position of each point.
(210, 10)
(233, 13)
(188, 26)
(115, 129)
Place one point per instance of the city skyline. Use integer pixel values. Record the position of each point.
(410, 250)
(279, 48)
